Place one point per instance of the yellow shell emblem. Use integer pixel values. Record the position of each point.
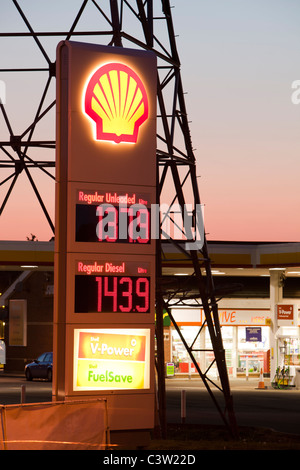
(116, 100)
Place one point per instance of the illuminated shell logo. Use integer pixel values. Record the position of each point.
(116, 100)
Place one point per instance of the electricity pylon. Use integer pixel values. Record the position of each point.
(145, 24)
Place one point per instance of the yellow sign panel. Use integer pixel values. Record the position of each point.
(111, 359)
(95, 375)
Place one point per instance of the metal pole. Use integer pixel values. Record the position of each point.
(183, 406)
(23, 394)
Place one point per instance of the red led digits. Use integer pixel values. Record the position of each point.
(123, 294)
(131, 224)
(99, 294)
(128, 294)
(143, 293)
(111, 293)
(138, 228)
(107, 228)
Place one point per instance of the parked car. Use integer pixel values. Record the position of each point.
(40, 368)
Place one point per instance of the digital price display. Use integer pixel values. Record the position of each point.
(106, 285)
(113, 294)
(107, 223)
(113, 218)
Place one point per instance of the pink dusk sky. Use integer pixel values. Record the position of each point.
(240, 59)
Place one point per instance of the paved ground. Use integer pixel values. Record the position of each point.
(263, 409)
(240, 383)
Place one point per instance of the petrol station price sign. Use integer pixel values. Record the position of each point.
(104, 303)
(112, 217)
(112, 287)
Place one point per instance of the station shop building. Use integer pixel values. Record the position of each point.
(258, 307)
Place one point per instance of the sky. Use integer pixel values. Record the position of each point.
(239, 60)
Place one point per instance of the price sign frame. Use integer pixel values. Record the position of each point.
(144, 197)
(125, 170)
(108, 265)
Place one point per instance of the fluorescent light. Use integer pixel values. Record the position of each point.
(28, 266)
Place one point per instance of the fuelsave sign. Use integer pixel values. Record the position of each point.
(111, 359)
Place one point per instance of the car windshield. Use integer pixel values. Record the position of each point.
(41, 358)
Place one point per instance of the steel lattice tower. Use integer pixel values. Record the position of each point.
(151, 29)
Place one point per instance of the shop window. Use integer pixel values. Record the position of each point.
(180, 356)
(253, 345)
(288, 346)
(227, 338)
(252, 352)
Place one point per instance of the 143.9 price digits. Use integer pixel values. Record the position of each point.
(112, 294)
